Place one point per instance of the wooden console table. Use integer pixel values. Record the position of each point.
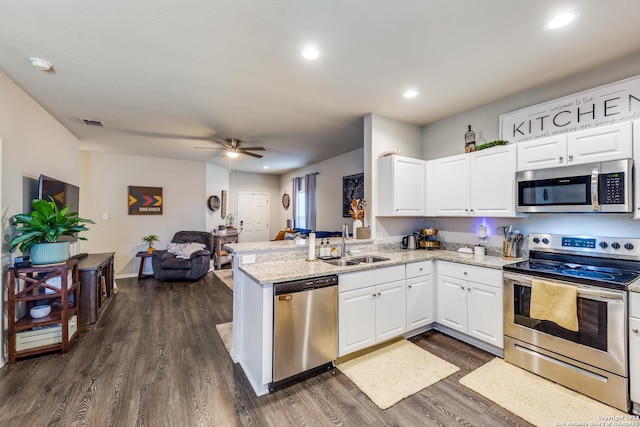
(96, 287)
(218, 241)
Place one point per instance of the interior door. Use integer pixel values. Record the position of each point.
(253, 217)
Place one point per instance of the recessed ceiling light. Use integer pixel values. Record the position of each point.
(232, 154)
(41, 63)
(411, 93)
(310, 53)
(561, 20)
(265, 167)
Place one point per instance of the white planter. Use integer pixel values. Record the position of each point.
(49, 253)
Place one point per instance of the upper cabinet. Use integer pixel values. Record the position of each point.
(401, 186)
(599, 144)
(479, 183)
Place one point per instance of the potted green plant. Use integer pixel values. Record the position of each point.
(39, 231)
(150, 239)
(230, 218)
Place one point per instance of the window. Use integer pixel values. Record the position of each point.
(299, 212)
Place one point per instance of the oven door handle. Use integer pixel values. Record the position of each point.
(589, 293)
(594, 189)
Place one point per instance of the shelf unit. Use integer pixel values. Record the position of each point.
(27, 288)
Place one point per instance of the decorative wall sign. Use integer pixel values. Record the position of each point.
(145, 200)
(352, 188)
(604, 105)
(223, 208)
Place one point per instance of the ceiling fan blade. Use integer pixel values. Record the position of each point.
(209, 148)
(249, 153)
(253, 148)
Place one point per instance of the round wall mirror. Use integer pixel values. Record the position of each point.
(214, 203)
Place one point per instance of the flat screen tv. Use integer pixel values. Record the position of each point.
(62, 193)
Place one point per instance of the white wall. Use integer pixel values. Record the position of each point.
(328, 187)
(383, 134)
(241, 182)
(104, 181)
(446, 137)
(217, 180)
(33, 143)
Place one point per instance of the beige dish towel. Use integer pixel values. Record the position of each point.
(555, 302)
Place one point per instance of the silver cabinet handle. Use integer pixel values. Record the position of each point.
(560, 159)
(469, 289)
(635, 330)
(462, 287)
(570, 157)
(409, 286)
(373, 295)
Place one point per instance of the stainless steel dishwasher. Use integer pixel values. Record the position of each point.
(305, 328)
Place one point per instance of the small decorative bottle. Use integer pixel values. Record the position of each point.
(469, 141)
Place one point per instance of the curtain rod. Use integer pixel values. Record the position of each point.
(312, 173)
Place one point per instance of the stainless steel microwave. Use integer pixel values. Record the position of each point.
(604, 187)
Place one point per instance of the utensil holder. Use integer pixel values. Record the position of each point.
(511, 249)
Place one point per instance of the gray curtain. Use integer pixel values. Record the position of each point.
(310, 191)
(297, 183)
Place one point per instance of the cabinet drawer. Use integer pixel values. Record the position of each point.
(420, 268)
(634, 304)
(375, 276)
(488, 276)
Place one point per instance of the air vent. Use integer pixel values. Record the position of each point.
(92, 122)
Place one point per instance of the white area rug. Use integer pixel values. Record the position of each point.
(226, 276)
(225, 330)
(537, 400)
(396, 371)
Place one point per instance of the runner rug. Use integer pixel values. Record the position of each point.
(540, 401)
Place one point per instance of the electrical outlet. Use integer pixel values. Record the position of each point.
(249, 259)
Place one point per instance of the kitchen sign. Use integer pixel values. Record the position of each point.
(605, 105)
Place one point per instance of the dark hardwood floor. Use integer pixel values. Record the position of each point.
(157, 360)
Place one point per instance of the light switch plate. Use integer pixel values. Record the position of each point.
(249, 259)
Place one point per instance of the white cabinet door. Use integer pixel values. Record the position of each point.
(452, 186)
(636, 162)
(485, 313)
(357, 314)
(634, 356)
(600, 144)
(391, 313)
(452, 303)
(542, 153)
(401, 186)
(420, 304)
(493, 181)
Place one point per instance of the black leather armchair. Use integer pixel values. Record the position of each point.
(166, 266)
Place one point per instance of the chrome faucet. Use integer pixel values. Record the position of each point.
(345, 230)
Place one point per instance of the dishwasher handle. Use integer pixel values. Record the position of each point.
(304, 285)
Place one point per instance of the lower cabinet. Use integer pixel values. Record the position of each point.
(634, 348)
(370, 314)
(420, 294)
(470, 301)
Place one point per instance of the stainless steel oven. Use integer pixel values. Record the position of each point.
(592, 360)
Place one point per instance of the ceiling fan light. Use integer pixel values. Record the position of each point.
(232, 154)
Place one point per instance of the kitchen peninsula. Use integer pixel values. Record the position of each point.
(258, 266)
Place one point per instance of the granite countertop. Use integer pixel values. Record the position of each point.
(280, 245)
(273, 272)
(635, 287)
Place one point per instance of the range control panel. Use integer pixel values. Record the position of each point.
(616, 247)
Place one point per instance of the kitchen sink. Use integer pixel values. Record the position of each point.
(342, 262)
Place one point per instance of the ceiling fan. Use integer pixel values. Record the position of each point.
(234, 148)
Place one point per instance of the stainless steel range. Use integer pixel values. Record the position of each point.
(592, 360)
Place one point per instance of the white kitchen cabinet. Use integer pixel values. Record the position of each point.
(420, 294)
(470, 301)
(599, 144)
(451, 175)
(480, 183)
(371, 307)
(634, 348)
(401, 186)
(636, 162)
